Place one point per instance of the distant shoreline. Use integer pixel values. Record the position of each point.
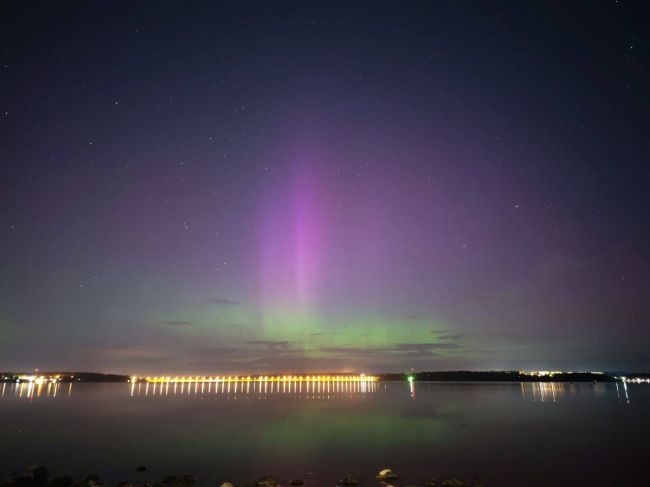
(439, 376)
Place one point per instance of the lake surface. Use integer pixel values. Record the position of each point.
(496, 433)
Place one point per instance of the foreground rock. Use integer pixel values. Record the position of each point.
(349, 481)
(178, 481)
(39, 473)
(386, 474)
(454, 483)
(91, 480)
(267, 481)
(64, 481)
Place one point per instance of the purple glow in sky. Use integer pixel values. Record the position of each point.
(293, 231)
(370, 187)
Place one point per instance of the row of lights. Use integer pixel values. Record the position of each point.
(636, 380)
(38, 379)
(265, 378)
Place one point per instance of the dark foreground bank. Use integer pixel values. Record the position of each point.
(38, 476)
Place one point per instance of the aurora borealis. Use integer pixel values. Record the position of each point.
(293, 186)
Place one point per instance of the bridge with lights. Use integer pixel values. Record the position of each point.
(256, 378)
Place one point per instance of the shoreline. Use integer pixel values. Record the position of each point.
(440, 376)
(39, 476)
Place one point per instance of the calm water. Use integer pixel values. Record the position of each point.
(504, 434)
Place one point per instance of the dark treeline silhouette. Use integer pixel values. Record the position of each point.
(500, 376)
(66, 376)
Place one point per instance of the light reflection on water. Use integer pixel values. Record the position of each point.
(33, 390)
(557, 391)
(240, 431)
(261, 390)
(547, 392)
(543, 391)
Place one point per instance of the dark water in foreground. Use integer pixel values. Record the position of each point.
(504, 434)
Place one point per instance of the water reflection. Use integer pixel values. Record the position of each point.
(542, 391)
(279, 428)
(557, 391)
(625, 395)
(32, 390)
(545, 392)
(321, 389)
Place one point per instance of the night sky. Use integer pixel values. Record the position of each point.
(296, 186)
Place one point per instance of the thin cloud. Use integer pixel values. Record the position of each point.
(179, 323)
(422, 348)
(451, 336)
(224, 301)
(398, 348)
(272, 344)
